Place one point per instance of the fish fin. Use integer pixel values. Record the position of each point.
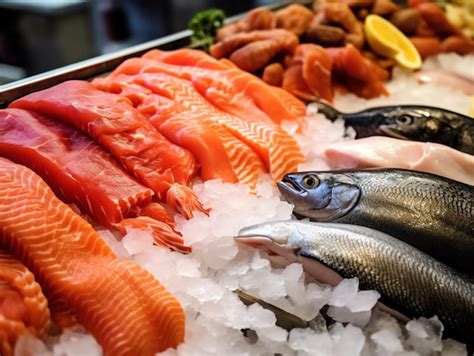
(163, 234)
(184, 200)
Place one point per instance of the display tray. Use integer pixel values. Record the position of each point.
(100, 65)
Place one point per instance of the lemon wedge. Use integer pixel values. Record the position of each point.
(385, 39)
(470, 109)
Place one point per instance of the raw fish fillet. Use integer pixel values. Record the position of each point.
(119, 128)
(188, 126)
(276, 103)
(385, 152)
(75, 167)
(244, 164)
(277, 149)
(23, 306)
(124, 307)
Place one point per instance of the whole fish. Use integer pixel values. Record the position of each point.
(432, 213)
(409, 122)
(410, 282)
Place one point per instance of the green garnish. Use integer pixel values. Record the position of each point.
(204, 26)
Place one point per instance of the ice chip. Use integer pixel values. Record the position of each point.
(343, 314)
(26, 343)
(425, 335)
(344, 292)
(387, 342)
(363, 300)
(351, 342)
(273, 333)
(116, 246)
(261, 318)
(136, 241)
(188, 267)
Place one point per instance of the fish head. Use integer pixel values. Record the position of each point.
(293, 241)
(410, 124)
(272, 238)
(320, 196)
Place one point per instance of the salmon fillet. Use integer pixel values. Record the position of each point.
(276, 103)
(275, 147)
(244, 163)
(78, 170)
(23, 306)
(124, 307)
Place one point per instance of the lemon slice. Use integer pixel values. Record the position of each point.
(385, 39)
(470, 109)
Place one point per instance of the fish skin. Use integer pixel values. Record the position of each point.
(413, 282)
(431, 213)
(410, 122)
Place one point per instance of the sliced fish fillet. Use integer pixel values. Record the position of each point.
(276, 103)
(277, 149)
(75, 167)
(124, 307)
(244, 163)
(119, 128)
(23, 306)
(386, 152)
(78, 170)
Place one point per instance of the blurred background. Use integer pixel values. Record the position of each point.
(39, 35)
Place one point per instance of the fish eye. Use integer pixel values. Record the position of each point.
(310, 181)
(404, 120)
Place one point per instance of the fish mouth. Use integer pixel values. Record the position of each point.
(279, 254)
(287, 185)
(391, 133)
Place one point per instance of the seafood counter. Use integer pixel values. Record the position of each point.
(182, 205)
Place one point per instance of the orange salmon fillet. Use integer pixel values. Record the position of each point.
(276, 148)
(243, 161)
(276, 103)
(23, 306)
(124, 307)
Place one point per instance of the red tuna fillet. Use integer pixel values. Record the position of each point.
(119, 128)
(73, 165)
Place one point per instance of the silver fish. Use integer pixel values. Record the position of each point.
(432, 213)
(409, 281)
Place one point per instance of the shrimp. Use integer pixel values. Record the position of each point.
(341, 14)
(295, 18)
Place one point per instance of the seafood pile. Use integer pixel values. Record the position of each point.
(314, 52)
(139, 214)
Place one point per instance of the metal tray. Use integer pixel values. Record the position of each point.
(96, 66)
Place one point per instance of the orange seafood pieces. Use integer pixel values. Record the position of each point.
(233, 84)
(119, 128)
(124, 307)
(23, 307)
(360, 75)
(277, 149)
(251, 51)
(223, 155)
(76, 167)
(313, 66)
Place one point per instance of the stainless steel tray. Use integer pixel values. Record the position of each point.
(102, 64)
